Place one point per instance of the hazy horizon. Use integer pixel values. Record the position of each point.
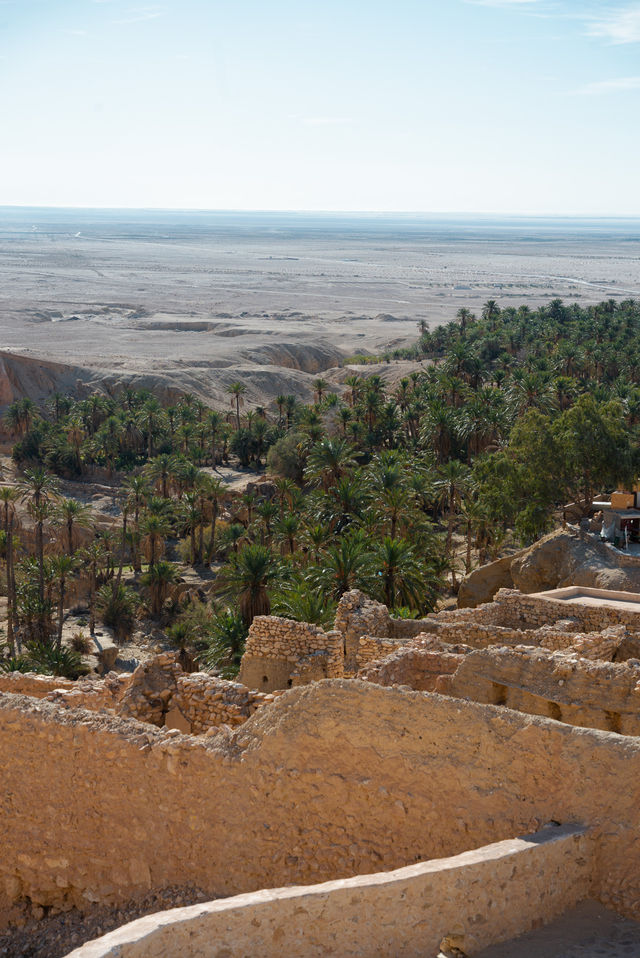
(383, 214)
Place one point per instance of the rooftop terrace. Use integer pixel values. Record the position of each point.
(579, 595)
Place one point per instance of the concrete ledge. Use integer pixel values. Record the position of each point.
(586, 595)
(477, 898)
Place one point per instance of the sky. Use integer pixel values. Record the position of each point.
(504, 106)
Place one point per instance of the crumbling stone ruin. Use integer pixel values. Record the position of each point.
(158, 693)
(419, 767)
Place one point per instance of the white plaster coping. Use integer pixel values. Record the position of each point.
(602, 597)
(194, 929)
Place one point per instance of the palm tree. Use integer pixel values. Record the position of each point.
(320, 387)
(151, 419)
(155, 528)
(158, 579)
(453, 484)
(137, 490)
(287, 530)
(93, 557)
(297, 601)
(355, 385)
(19, 416)
(95, 409)
(280, 402)
(344, 415)
(161, 470)
(10, 543)
(393, 504)
(314, 538)
(464, 317)
(62, 567)
(76, 435)
(290, 405)
(123, 547)
(329, 460)
(73, 514)
(249, 576)
(236, 391)
(193, 517)
(186, 474)
(403, 574)
(346, 501)
(39, 488)
(490, 312)
(268, 512)
(285, 490)
(260, 432)
(214, 425)
(345, 565)
(8, 496)
(215, 494)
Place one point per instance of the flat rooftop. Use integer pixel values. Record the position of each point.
(581, 595)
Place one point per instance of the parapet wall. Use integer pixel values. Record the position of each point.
(332, 780)
(475, 899)
(563, 687)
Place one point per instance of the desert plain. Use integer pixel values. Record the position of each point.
(194, 301)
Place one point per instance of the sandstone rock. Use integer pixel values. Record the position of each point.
(482, 584)
(559, 559)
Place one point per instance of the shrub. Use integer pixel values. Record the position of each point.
(81, 643)
(45, 658)
(286, 457)
(16, 663)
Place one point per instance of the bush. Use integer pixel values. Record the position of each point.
(81, 643)
(287, 458)
(45, 658)
(16, 663)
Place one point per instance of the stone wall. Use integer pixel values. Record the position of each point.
(512, 609)
(418, 666)
(30, 683)
(93, 694)
(358, 615)
(556, 684)
(334, 779)
(158, 693)
(473, 900)
(372, 647)
(280, 653)
(207, 702)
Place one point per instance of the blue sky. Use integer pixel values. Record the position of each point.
(507, 106)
